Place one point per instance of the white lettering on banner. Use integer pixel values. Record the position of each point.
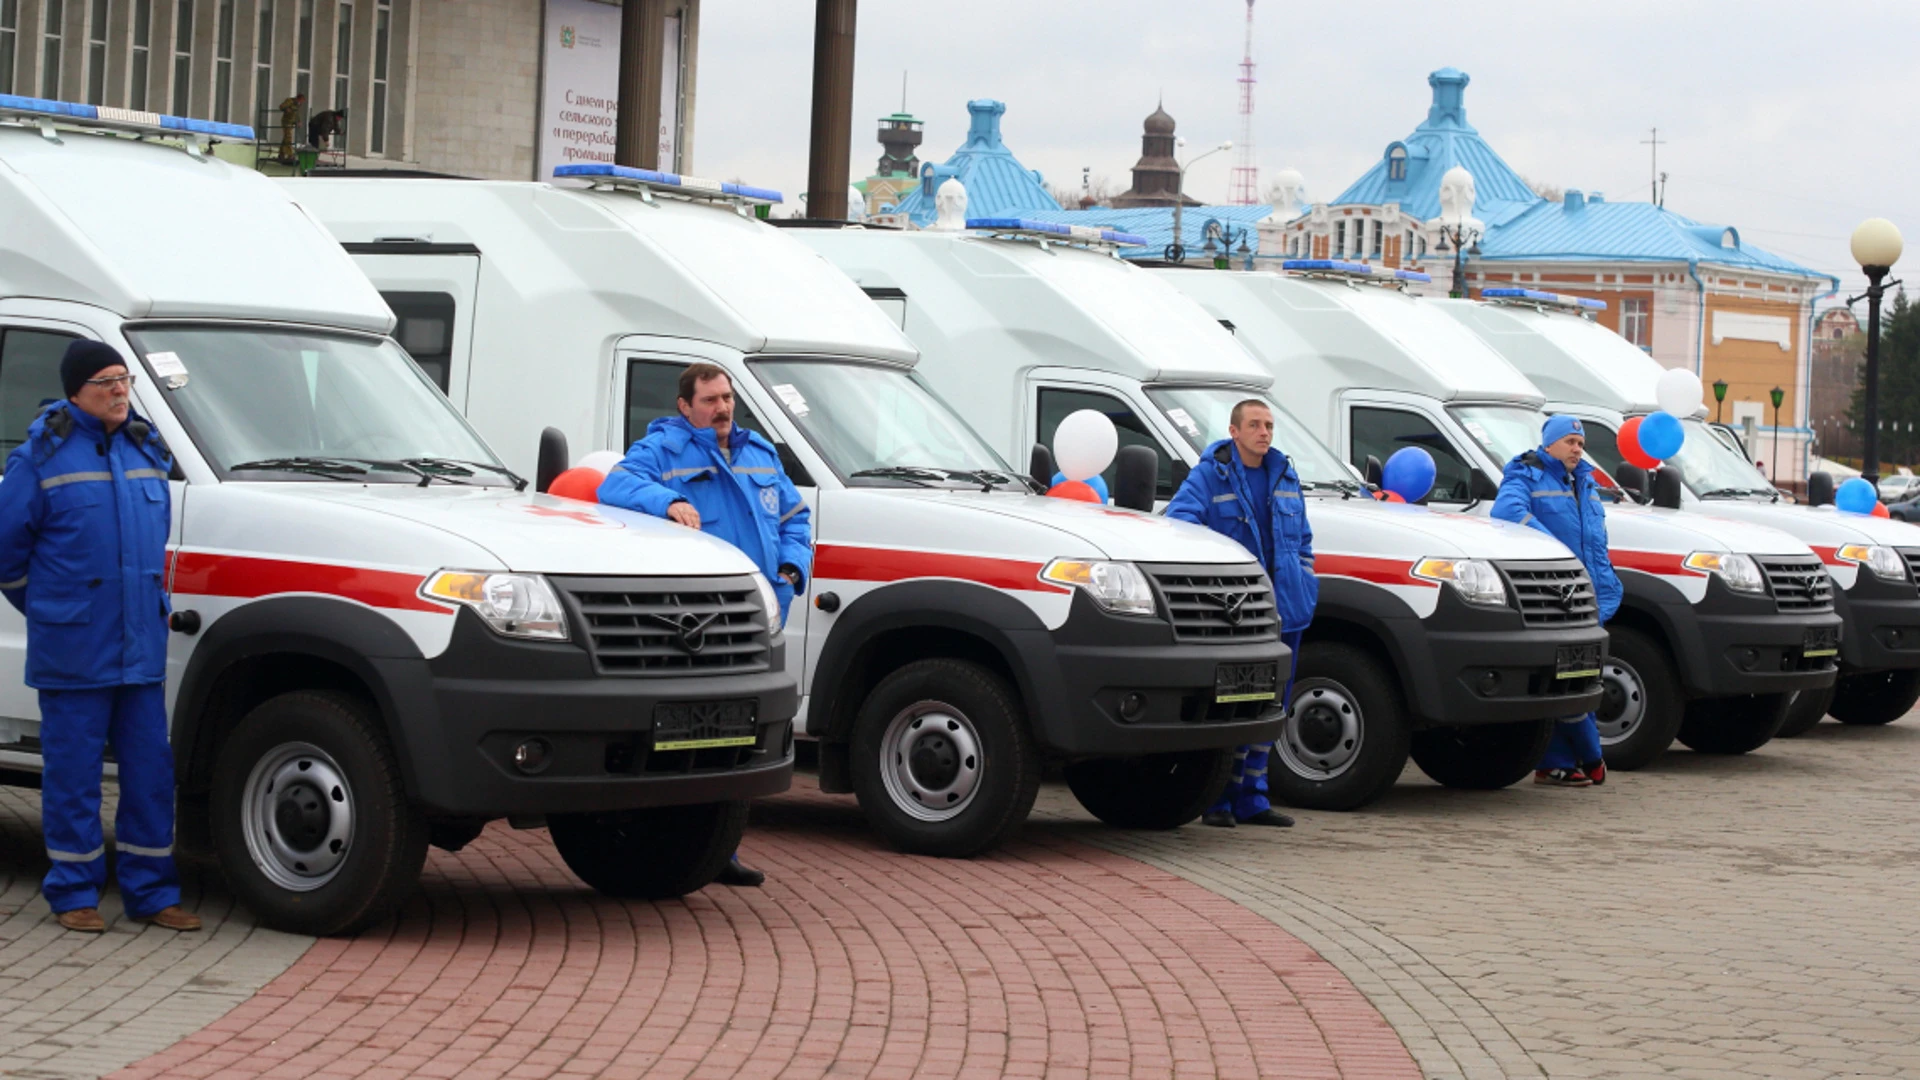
(580, 95)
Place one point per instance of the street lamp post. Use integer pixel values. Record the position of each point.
(1776, 394)
(1719, 398)
(1177, 252)
(1460, 234)
(1876, 247)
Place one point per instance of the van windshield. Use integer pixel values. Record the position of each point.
(1713, 470)
(1503, 431)
(301, 405)
(880, 426)
(1201, 413)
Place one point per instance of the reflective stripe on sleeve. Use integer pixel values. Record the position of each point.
(1527, 519)
(21, 584)
(1228, 497)
(1552, 494)
(74, 478)
(149, 852)
(797, 507)
(756, 470)
(1278, 494)
(68, 856)
(671, 474)
(146, 474)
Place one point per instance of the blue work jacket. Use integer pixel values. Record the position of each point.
(744, 496)
(84, 518)
(1216, 494)
(1536, 491)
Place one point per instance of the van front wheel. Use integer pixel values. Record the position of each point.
(1484, 757)
(1346, 736)
(1733, 725)
(656, 853)
(1152, 791)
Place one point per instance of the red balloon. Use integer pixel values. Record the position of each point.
(578, 483)
(1078, 490)
(1392, 496)
(1880, 510)
(1628, 443)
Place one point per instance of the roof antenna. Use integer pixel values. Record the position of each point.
(1655, 142)
(903, 92)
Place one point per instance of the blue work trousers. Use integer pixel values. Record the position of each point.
(1246, 792)
(76, 726)
(1575, 743)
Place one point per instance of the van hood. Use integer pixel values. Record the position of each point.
(1650, 528)
(1820, 529)
(1061, 527)
(1878, 530)
(1397, 530)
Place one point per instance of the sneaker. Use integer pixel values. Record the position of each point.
(1596, 772)
(1561, 778)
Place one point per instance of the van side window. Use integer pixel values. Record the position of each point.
(424, 327)
(29, 379)
(1380, 432)
(1603, 447)
(653, 391)
(1057, 404)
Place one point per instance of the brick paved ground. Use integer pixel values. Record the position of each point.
(1052, 958)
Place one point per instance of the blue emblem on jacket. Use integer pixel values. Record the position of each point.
(1216, 494)
(744, 497)
(1536, 491)
(84, 519)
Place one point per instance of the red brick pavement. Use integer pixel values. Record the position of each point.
(1049, 958)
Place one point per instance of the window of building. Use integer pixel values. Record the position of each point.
(1376, 239)
(377, 131)
(97, 52)
(1339, 238)
(29, 379)
(1056, 404)
(56, 16)
(223, 64)
(1634, 323)
(1396, 162)
(263, 59)
(182, 56)
(1379, 432)
(303, 52)
(342, 54)
(423, 325)
(9, 25)
(142, 54)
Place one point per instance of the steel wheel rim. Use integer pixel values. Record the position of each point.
(1621, 684)
(931, 761)
(297, 815)
(1324, 734)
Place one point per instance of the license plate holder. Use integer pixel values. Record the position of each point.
(1246, 682)
(704, 725)
(1576, 661)
(1820, 641)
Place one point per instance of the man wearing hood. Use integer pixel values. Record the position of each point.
(1552, 489)
(701, 470)
(1245, 489)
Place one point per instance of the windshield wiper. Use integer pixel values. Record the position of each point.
(413, 467)
(328, 467)
(1732, 493)
(1347, 488)
(465, 468)
(923, 477)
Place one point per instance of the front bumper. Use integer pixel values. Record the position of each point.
(1732, 643)
(1882, 623)
(1462, 677)
(463, 712)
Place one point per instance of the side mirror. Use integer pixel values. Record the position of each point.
(1666, 488)
(1040, 466)
(1820, 489)
(1136, 468)
(1374, 472)
(1481, 488)
(1632, 479)
(553, 458)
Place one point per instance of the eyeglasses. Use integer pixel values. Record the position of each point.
(113, 381)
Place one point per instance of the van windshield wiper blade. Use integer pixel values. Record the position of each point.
(328, 467)
(917, 475)
(1732, 493)
(466, 468)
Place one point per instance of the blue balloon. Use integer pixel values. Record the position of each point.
(1661, 435)
(1408, 473)
(1856, 496)
(1096, 482)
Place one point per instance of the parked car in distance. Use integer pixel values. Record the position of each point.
(1894, 488)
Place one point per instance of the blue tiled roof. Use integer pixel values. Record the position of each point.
(1155, 225)
(997, 184)
(1581, 229)
(1444, 140)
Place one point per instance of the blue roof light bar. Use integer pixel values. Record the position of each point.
(1048, 230)
(1412, 275)
(1328, 266)
(692, 186)
(1543, 297)
(139, 123)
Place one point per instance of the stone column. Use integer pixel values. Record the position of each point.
(830, 154)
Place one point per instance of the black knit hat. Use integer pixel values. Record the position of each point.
(85, 359)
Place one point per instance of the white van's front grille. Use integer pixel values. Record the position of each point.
(670, 626)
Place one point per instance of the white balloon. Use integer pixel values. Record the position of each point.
(1678, 392)
(1084, 444)
(600, 461)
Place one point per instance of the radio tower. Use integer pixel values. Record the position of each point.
(1244, 187)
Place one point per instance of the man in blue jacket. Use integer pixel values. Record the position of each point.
(1245, 489)
(84, 517)
(1552, 489)
(702, 471)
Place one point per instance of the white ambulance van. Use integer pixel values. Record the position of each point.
(957, 630)
(1721, 623)
(1591, 372)
(381, 639)
(1455, 639)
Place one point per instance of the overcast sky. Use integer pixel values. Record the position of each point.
(1775, 118)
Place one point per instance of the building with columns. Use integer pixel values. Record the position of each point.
(1692, 294)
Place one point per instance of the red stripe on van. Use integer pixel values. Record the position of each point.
(847, 563)
(203, 573)
(1663, 563)
(1377, 571)
(1830, 556)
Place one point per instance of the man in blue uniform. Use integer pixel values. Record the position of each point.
(701, 470)
(1552, 489)
(84, 516)
(1245, 489)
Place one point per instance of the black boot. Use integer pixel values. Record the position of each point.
(1219, 819)
(739, 875)
(1269, 816)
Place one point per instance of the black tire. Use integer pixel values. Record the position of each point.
(958, 740)
(330, 845)
(1805, 710)
(1643, 706)
(1879, 697)
(1733, 725)
(1347, 736)
(452, 834)
(1153, 791)
(656, 853)
(1484, 757)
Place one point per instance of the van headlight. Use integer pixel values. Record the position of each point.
(770, 600)
(1737, 572)
(1883, 561)
(1475, 580)
(1116, 586)
(514, 605)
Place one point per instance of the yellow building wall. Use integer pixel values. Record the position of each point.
(1753, 368)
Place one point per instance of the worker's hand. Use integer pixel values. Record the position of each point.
(683, 513)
